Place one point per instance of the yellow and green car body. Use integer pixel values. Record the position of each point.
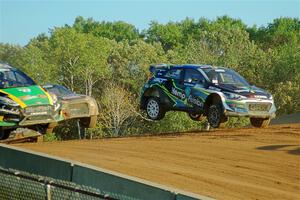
(23, 103)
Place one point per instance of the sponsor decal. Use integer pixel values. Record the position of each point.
(43, 96)
(25, 90)
(28, 97)
(195, 101)
(160, 80)
(178, 93)
(260, 96)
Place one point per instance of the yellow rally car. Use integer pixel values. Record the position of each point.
(23, 103)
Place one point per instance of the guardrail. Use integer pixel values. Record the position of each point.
(50, 168)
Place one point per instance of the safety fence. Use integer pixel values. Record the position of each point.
(15, 184)
(28, 175)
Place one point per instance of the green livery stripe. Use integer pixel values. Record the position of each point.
(234, 101)
(28, 96)
(202, 90)
(172, 97)
(176, 86)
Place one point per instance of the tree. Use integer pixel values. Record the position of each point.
(118, 30)
(81, 58)
(11, 54)
(117, 109)
(282, 31)
(168, 35)
(130, 62)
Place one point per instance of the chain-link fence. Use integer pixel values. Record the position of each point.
(24, 186)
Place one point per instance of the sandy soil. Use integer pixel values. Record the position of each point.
(228, 164)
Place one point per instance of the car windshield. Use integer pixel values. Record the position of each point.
(59, 90)
(225, 77)
(10, 78)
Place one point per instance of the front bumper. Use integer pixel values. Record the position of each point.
(31, 116)
(250, 108)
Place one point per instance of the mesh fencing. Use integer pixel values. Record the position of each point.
(24, 186)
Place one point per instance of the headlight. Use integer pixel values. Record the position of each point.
(8, 101)
(54, 98)
(233, 96)
(271, 97)
(55, 101)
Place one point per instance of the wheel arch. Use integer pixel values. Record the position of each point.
(213, 98)
(154, 92)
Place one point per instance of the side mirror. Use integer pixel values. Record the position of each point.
(195, 80)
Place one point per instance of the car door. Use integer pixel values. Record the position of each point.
(175, 88)
(194, 87)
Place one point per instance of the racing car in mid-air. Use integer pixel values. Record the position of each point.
(205, 91)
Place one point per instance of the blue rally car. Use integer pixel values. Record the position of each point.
(205, 91)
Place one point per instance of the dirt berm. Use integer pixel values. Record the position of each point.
(246, 163)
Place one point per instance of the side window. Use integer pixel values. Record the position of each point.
(193, 76)
(23, 78)
(173, 73)
(20, 78)
(10, 76)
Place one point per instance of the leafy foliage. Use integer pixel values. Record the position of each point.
(110, 60)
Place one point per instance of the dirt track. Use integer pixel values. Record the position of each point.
(224, 164)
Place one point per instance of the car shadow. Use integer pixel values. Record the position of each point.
(293, 149)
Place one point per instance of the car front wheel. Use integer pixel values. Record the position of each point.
(4, 134)
(215, 116)
(154, 109)
(260, 122)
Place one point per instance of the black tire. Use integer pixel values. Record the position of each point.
(223, 122)
(51, 127)
(215, 116)
(89, 122)
(196, 117)
(260, 122)
(4, 134)
(154, 109)
(42, 129)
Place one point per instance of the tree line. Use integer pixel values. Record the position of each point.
(110, 61)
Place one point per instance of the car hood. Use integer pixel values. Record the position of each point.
(28, 96)
(72, 96)
(247, 91)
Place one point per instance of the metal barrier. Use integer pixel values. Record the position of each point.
(28, 175)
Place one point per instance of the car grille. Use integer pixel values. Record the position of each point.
(264, 107)
(38, 110)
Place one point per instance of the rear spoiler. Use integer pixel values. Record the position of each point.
(160, 69)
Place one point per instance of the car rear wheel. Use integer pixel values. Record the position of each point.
(154, 109)
(260, 122)
(215, 116)
(196, 117)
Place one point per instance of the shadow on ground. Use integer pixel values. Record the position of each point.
(295, 148)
